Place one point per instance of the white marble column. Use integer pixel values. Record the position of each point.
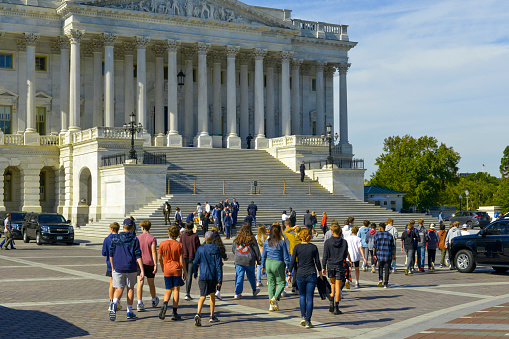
(305, 71)
(329, 72)
(188, 97)
(231, 97)
(346, 148)
(159, 52)
(203, 138)
(296, 116)
(244, 96)
(320, 98)
(97, 112)
(259, 102)
(270, 116)
(217, 116)
(141, 49)
(108, 40)
(64, 83)
(128, 79)
(31, 135)
(286, 127)
(74, 36)
(174, 139)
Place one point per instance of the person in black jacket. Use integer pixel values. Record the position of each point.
(251, 210)
(302, 169)
(308, 221)
(409, 240)
(335, 252)
(293, 217)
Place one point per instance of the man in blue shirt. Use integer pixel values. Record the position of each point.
(384, 250)
(190, 217)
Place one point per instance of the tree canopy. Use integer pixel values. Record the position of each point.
(504, 164)
(482, 189)
(420, 167)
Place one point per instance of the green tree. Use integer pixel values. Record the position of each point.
(482, 189)
(420, 167)
(504, 164)
(502, 195)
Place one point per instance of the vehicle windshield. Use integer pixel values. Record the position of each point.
(482, 213)
(45, 219)
(17, 216)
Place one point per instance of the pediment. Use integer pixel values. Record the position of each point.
(42, 96)
(226, 11)
(6, 94)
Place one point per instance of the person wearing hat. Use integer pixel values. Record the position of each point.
(208, 262)
(432, 240)
(465, 230)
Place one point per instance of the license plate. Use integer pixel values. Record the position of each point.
(59, 238)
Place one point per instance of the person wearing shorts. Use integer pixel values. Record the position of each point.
(356, 252)
(148, 245)
(114, 228)
(171, 258)
(335, 253)
(125, 253)
(208, 262)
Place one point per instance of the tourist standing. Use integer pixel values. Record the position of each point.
(432, 240)
(323, 224)
(293, 216)
(190, 244)
(308, 259)
(356, 252)
(441, 244)
(384, 250)
(228, 223)
(421, 244)
(216, 214)
(148, 245)
(248, 141)
(314, 220)
(363, 231)
(251, 210)
(205, 223)
(302, 169)
(409, 240)
(284, 216)
(465, 231)
(167, 213)
(347, 229)
(235, 211)
(178, 217)
(260, 238)
(199, 211)
(247, 255)
(275, 259)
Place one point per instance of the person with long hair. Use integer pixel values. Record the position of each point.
(190, 243)
(314, 219)
(323, 224)
(308, 258)
(260, 238)
(224, 257)
(409, 244)
(247, 254)
(441, 244)
(275, 259)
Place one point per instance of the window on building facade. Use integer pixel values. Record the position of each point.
(195, 75)
(313, 85)
(5, 119)
(165, 72)
(291, 83)
(8, 185)
(222, 77)
(5, 60)
(135, 71)
(42, 186)
(41, 64)
(265, 81)
(41, 120)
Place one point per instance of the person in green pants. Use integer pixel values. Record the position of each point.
(275, 260)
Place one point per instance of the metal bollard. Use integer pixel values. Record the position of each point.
(251, 187)
(194, 188)
(309, 187)
(284, 186)
(168, 186)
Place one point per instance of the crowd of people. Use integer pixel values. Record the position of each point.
(284, 253)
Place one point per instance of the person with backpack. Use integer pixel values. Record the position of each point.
(363, 231)
(409, 240)
(395, 234)
(246, 256)
(453, 233)
(432, 240)
(421, 244)
(441, 244)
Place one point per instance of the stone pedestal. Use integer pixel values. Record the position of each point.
(32, 138)
(174, 140)
(234, 142)
(159, 140)
(261, 143)
(147, 138)
(203, 141)
(347, 182)
(217, 141)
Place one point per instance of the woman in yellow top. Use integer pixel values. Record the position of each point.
(294, 240)
(260, 238)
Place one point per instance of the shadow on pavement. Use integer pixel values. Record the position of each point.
(35, 324)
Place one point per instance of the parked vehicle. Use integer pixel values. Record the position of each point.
(488, 247)
(47, 228)
(471, 218)
(16, 223)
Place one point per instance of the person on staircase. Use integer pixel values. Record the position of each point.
(302, 169)
(167, 213)
(235, 211)
(252, 209)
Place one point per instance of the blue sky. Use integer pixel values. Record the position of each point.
(423, 67)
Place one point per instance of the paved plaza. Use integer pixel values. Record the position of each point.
(61, 292)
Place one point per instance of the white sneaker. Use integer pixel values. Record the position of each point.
(274, 304)
(283, 294)
(188, 297)
(140, 307)
(218, 295)
(259, 284)
(271, 308)
(237, 296)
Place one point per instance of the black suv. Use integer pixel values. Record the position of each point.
(488, 247)
(471, 218)
(47, 228)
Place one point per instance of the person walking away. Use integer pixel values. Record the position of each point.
(308, 221)
(228, 224)
(421, 244)
(328, 234)
(453, 233)
(275, 260)
(293, 216)
(124, 254)
(335, 252)
(260, 239)
(224, 257)
(148, 245)
(235, 211)
(205, 223)
(384, 250)
(7, 232)
(246, 255)
(363, 231)
(370, 238)
(178, 217)
(114, 228)
(167, 213)
(302, 170)
(249, 219)
(347, 229)
(248, 141)
(190, 244)
(395, 234)
(314, 219)
(208, 263)
(409, 240)
(440, 218)
(199, 211)
(284, 216)
(171, 258)
(441, 244)
(292, 234)
(216, 214)
(323, 224)
(251, 210)
(308, 259)
(356, 252)
(432, 240)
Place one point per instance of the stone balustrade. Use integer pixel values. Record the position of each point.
(49, 140)
(297, 140)
(13, 139)
(322, 30)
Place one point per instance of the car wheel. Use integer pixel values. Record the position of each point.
(499, 269)
(464, 261)
(38, 239)
(469, 224)
(26, 239)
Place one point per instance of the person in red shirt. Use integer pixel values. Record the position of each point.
(171, 259)
(148, 245)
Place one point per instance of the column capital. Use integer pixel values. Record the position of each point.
(330, 70)
(244, 58)
(141, 41)
(128, 47)
(119, 53)
(320, 65)
(270, 62)
(202, 48)
(159, 50)
(306, 69)
(217, 57)
(259, 54)
(296, 63)
(96, 45)
(22, 45)
(63, 42)
(31, 38)
(188, 53)
(74, 35)
(232, 51)
(87, 50)
(343, 68)
(286, 56)
(172, 45)
(108, 39)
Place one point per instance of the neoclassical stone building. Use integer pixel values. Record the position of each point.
(205, 73)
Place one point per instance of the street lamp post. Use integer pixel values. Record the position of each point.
(329, 138)
(467, 193)
(132, 128)
(461, 197)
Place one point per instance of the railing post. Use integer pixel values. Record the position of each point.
(251, 187)
(259, 186)
(223, 186)
(194, 188)
(168, 186)
(309, 187)
(284, 186)
(333, 188)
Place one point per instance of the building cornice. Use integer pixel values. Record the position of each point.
(344, 45)
(29, 12)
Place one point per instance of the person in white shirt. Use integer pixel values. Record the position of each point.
(465, 230)
(347, 229)
(284, 216)
(207, 207)
(356, 252)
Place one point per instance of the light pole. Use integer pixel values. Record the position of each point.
(329, 138)
(467, 193)
(132, 128)
(461, 197)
